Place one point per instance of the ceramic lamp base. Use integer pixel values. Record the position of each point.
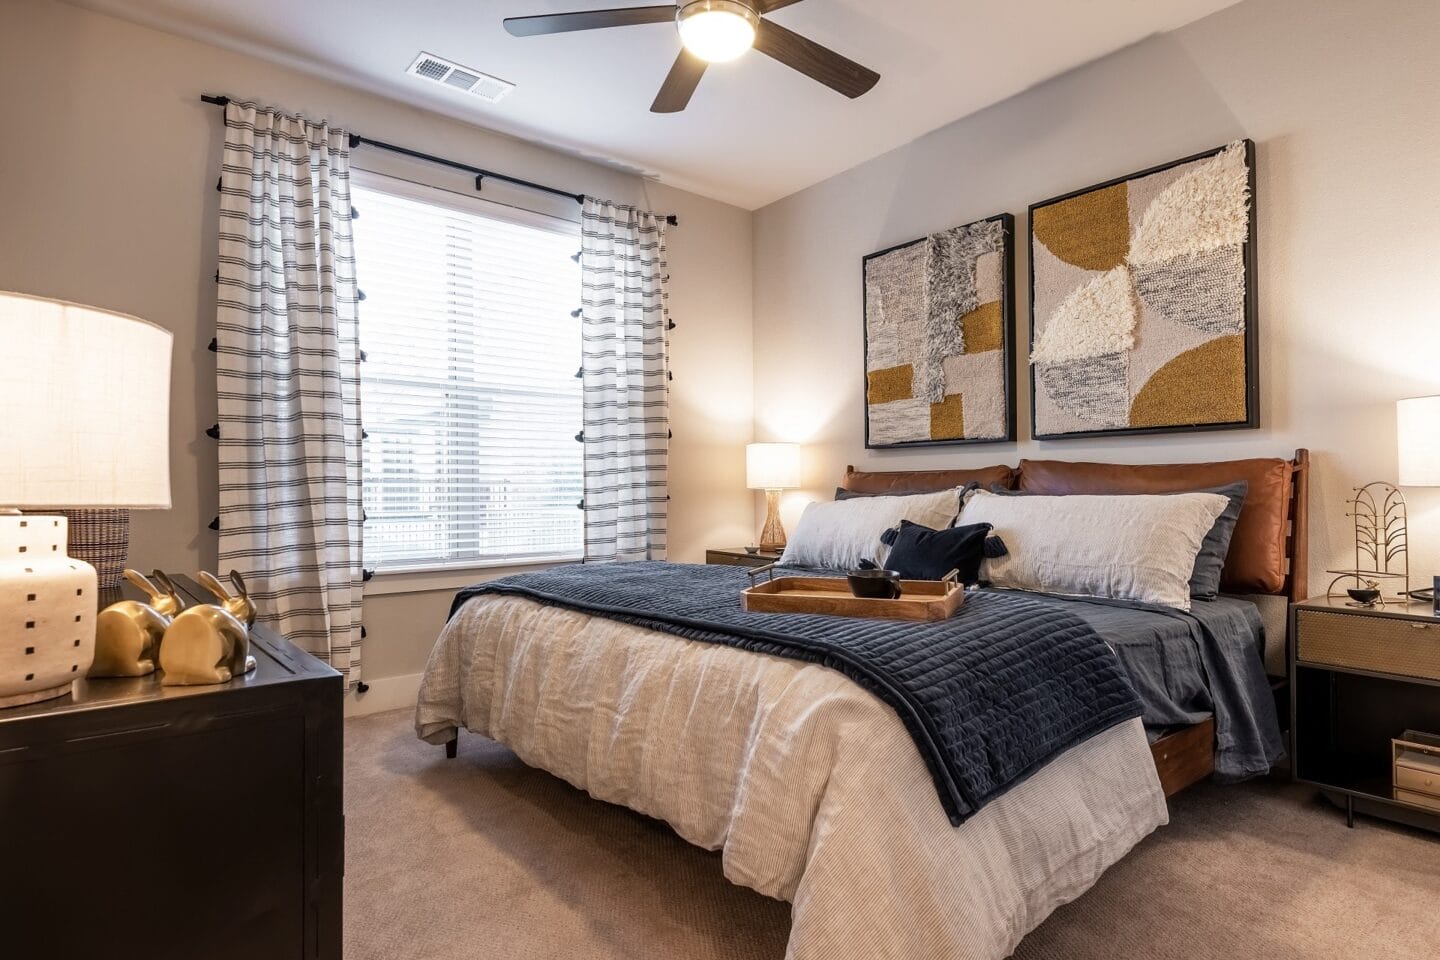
(47, 611)
(772, 538)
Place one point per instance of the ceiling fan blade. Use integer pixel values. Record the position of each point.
(816, 62)
(765, 6)
(679, 84)
(588, 20)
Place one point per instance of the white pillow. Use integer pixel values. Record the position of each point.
(840, 533)
(1139, 547)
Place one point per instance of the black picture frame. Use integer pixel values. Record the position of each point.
(1007, 314)
(1252, 326)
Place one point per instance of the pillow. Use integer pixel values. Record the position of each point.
(1140, 547)
(1210, 561)
(920, 553)
(899, 483)
(841, 533)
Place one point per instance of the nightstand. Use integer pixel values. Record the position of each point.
(737, 557)
(1360, 678)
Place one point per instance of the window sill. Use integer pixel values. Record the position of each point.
(434, 579)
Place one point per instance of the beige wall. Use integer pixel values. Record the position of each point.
(108, 165)
(1341, 99)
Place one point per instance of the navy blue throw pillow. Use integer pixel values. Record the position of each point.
(919, 553)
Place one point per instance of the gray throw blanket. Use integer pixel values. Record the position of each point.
(989, 696)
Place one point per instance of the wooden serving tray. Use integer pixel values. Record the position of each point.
(923, 600)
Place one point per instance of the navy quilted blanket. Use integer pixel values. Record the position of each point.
(989, 696)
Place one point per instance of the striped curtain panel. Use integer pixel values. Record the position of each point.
(288, 378)
(625, 368)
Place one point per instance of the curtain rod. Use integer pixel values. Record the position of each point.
(481, 174)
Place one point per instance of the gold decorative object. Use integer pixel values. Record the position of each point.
(237, 604)
(1382, 540)
(128, 633)
(207, 644)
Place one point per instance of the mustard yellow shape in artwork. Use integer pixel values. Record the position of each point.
(984, 328)
(1091, 231)
(947, 418)
(1202, 385)
(892, 383)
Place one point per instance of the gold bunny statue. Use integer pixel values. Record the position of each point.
(207, 644)
(237, 604)
(128, 633)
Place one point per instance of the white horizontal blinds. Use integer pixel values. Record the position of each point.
(470, 397)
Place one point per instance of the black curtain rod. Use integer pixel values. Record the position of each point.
(481, 174)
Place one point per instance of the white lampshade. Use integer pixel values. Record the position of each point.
(772, 466)
(84, 407)
(1418, 435)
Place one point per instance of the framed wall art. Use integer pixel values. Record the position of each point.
(939, 338)
(1142, 294)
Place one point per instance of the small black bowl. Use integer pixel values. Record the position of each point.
(1366, 597)
(874, 584)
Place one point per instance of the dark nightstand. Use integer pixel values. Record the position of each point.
(737, 557)
(1360, 677)
(139, 820)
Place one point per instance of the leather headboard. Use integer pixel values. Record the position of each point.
(899, 482)
(1256, 562)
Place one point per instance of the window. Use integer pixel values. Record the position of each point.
(469, 395)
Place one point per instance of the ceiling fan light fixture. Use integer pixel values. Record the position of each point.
(717, 30)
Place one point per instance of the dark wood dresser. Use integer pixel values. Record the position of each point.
(138, 820)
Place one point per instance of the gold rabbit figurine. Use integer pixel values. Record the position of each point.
(206, 644)
(238, 605)
(128, 633)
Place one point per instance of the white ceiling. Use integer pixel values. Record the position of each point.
(755, 130)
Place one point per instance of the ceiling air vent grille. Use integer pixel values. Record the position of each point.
(427, 66)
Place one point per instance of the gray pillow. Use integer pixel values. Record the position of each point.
(1210, 561)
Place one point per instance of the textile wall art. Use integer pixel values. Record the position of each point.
(939, 322)
(1143, 303)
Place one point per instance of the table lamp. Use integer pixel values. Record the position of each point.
(1417, 423)
(85, 417)
(772, 467)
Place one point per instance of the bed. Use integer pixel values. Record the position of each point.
(811, 786)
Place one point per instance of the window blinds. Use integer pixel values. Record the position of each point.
(469, 395)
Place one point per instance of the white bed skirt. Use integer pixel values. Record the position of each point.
(809, 785)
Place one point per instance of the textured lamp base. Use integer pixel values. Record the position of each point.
(772, 538)
(47, 611)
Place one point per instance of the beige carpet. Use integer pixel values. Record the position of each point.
(482, 857)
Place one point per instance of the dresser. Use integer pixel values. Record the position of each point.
(138, 820)
(1364, 683)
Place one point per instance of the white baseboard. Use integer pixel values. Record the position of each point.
(385, 693)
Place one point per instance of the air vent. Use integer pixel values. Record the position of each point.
(427, 66)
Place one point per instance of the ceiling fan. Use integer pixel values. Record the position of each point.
(713, 31)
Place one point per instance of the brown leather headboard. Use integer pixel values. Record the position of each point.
(896, 482)
(1270, 549)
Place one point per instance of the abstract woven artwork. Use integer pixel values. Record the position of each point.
(1142, 303)
(938, 341)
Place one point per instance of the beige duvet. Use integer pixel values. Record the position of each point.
(808, 784)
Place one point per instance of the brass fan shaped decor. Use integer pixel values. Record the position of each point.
(713, 31)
